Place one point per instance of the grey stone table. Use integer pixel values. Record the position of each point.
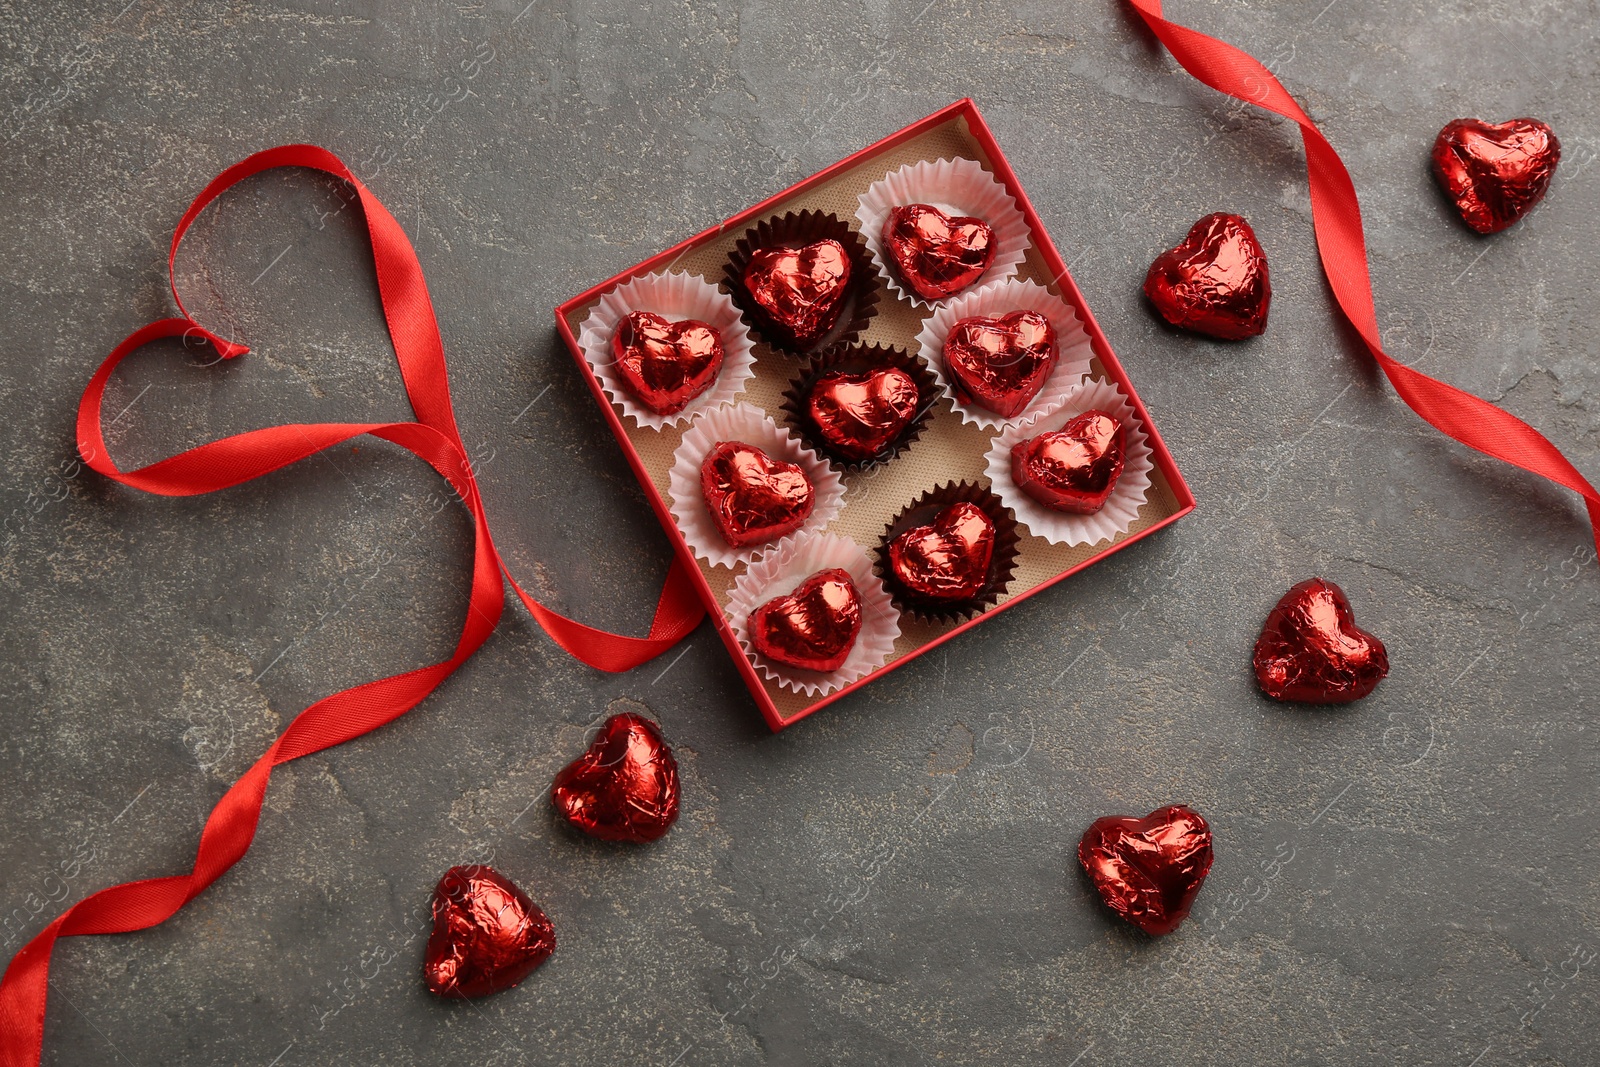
(1410, 880)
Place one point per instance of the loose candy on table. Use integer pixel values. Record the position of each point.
(1149, 870)
(1215, 282)
(1495, 173)
(1312, 652)
(625, 785)
(487, 934)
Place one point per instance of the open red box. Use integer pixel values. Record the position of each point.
(957, 130)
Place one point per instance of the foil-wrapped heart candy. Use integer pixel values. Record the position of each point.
(948, 559)
(1000, 364)
(666, 364)
(935, 254)
(625, 785)
(751, 497)
(814, 627)
(487, 934)
(1495, 173)
(1215, 282)
(860, 414)
(1073, 469)
(1311, 651)
(1149, 870)
(799, 291)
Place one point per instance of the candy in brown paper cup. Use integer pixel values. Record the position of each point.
(923, 511)
(795, 230)
(855, 359)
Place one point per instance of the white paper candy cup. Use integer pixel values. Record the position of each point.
(747, 423)
(780, 572)
(993, 301)
(676, 297)
(1122, 507)
(956, 187)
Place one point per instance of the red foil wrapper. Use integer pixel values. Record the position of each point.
(940, 562)
(624, 787)
(843, 405)
(1073, 469)
(800, 290)
(801, 302)
(1312, 652)
(812, 628)
(1149, 870)
(1000, 364)
(860, 414)
(666, 364)
(947, 559)
(752, 497)
(1215, 282)
(1495, 174)
(935, 254)
(487, 934)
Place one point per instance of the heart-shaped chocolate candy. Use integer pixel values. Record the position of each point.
(859, 415)
(666, 364)
(1495, 174)
(812, 628)
(1000, 364)
(1149, 870)
(752, 497)
(1312, 652)
(799, 291)
(948, 559)
(937, 255)
(624, 787)
(487, 935)
(1073, 469)
(1215, 282)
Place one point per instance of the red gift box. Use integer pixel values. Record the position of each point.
(955, 131)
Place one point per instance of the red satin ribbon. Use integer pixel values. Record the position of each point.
(355, 711)
(1336, 218)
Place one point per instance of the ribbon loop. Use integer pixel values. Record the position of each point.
(435, 439)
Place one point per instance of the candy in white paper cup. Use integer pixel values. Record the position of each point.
(751, 425)
(1073, 349)
(956, 187)
(1121, 508)
(785, 568)
(675, 297)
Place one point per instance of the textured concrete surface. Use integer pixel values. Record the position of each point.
(1414, 879)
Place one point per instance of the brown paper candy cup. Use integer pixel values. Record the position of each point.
(854, 359)
(922, 511)
(803, 228)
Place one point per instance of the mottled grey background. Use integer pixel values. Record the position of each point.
(1409, 880)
